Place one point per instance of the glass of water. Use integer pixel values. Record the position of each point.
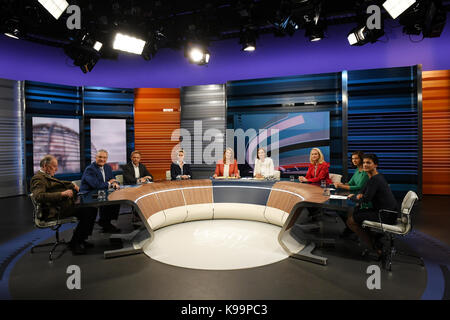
(291, 178)
(101, 194)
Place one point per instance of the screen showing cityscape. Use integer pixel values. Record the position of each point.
(59, 137)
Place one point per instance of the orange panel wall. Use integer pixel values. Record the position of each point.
(436, 132)
(153, 127)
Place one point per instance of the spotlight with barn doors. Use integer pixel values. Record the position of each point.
(362, 35)
(397, 7)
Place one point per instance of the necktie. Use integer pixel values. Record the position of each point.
(103, 173)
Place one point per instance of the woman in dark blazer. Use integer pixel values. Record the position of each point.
(180, 170)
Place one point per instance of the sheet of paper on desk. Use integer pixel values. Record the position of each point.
(335, 196)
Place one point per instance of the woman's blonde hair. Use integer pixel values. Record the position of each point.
(224, 155)
(321, 158)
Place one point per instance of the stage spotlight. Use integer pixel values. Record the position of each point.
(314, 32)
(98, 45)
(249, 47)
(128, 44)
(397, 7)
(426, 17)
(248, 40)
(85, 52)
(85, 58)
(286, 26)
(55, 7)
(362, 35)
(13, 34)
(88, 41)
(12, 29)
(197, 53)
(152, 44)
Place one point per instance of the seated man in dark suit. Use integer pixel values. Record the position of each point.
(135, 172)
(98, 175)
(57, 199)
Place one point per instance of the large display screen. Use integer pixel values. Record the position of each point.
(59, 137)
(297, 134)
(110, 135)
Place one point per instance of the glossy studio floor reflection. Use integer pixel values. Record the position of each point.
(221, 259)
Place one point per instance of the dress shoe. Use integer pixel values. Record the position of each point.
(77, 248)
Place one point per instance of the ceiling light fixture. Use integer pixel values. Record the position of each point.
(98, 45)
(84, 57)
(397, 7)
(315, 32)
(426, 17)
(128, 43)
(12, 34)
(55, 7)
(248, 40)
(197, 53)
(361, 35)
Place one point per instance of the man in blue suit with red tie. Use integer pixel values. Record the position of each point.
(99, 175)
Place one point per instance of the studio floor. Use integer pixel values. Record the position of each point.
(30, 276)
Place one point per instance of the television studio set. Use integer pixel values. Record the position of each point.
(225, 158)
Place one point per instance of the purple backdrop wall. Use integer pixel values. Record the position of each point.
(23, 60)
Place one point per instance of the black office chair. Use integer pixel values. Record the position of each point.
(401, 228)
(52, 223)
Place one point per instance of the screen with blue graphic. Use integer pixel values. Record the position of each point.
(288, 137)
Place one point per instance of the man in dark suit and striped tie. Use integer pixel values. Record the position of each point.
(99, 175)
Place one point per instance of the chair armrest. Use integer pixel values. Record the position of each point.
(388, 211)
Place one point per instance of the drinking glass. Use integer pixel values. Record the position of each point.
(101, 194)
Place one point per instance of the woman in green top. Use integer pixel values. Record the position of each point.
(355, 184)
(359, 178)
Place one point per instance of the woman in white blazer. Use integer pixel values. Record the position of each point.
(263, 165)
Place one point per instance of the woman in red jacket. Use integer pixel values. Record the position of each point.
(318, 168)
(227, 167)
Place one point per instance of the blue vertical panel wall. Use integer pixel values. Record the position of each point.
(49, 100)
(383, 118)
(53, 100)
(112, 103)
(304, 93)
